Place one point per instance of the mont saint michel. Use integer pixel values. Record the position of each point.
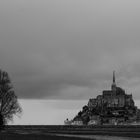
(113, 107)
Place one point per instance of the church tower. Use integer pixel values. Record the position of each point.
(113, 87)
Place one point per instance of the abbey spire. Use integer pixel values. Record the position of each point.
(113, 87)
(113, 76)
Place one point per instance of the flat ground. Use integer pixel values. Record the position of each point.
(70, 133)
(17, 136)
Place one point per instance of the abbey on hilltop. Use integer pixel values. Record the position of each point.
(113, 107)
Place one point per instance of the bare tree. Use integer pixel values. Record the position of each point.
(9, 105)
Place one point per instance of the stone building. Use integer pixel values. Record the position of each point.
(77, 121)
(114, 98)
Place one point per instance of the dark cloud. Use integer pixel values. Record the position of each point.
(68, 49)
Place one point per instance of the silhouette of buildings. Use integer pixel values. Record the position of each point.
(112, 107)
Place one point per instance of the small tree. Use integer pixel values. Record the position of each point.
(9, 105)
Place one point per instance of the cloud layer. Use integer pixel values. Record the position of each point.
(68, 49)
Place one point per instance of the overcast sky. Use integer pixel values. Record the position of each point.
(67, 49)
(63, 52)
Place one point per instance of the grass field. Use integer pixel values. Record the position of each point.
(58, 137)
(15, 136)
(70, 133)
